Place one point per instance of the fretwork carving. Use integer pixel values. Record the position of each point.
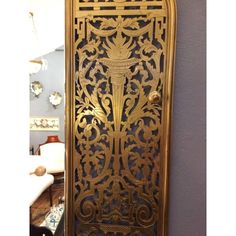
(120, 58)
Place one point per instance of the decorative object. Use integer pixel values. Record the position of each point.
(40, 170)
(120, 62)
(55, 99)
(53, 139)
(44, 123)
(36, 88)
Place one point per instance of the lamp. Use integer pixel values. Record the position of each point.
(35, 65)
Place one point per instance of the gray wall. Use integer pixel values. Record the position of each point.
(187, 164)
(52, 79)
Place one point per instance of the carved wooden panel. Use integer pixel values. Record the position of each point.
(120, 74)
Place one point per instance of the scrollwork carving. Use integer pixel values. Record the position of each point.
(119, 60)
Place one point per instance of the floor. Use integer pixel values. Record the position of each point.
(42, 206)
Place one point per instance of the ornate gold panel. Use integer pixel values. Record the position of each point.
(120, 57)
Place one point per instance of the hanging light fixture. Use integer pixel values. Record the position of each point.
(35, 65)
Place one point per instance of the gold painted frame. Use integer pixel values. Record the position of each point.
(166, 115)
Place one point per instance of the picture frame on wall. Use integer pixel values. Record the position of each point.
(44, 124)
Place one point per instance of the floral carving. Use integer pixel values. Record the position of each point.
(119, 61)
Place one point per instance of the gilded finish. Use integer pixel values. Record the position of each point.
(154, 97)
(119, 90)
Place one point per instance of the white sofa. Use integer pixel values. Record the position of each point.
(52, 157)
(37, 184)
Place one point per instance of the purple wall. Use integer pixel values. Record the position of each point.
(187, 202)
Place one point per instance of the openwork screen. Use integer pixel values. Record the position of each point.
(120, 70)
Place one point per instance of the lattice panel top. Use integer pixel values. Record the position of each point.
(119, 7)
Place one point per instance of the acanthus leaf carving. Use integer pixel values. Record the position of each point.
(118, 130)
